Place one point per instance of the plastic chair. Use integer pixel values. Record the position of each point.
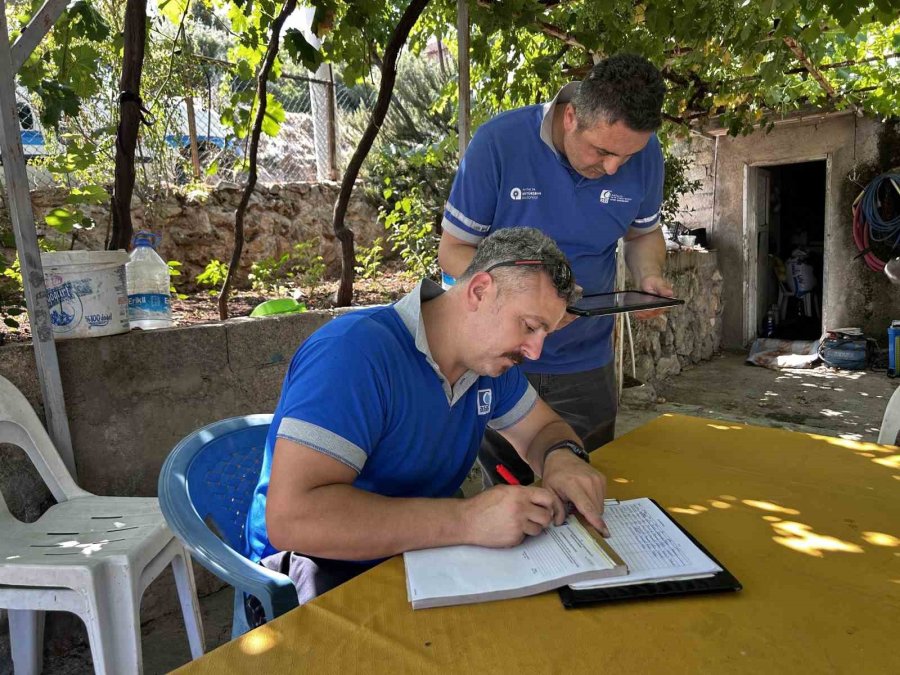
(89, 555)
(890, 423)
(205, 489)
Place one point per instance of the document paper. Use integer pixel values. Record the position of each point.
(652, 546)
(461, 574)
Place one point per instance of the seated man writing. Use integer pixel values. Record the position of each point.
(381, 416)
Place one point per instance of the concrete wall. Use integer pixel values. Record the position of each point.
(853, 295)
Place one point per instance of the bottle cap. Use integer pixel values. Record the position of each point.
(145, 238)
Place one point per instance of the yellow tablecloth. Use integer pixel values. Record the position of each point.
(809, 524)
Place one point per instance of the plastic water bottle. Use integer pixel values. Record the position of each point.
(770, 322)
(147, 276)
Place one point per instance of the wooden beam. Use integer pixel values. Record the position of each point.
(22, 217)
(797, 50)
(465, 93)
(34, 32)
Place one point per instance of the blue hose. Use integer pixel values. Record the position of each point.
(881, 230)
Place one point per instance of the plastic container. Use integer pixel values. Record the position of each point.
(148, 285)
(86, 293)
(893, 348)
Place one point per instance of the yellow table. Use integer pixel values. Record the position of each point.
(809, 524)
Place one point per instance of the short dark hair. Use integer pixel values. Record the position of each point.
(520, 243)
(622, 88)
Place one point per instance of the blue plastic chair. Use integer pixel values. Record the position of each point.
(205, 489)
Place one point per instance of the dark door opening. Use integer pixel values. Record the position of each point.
(791, 250)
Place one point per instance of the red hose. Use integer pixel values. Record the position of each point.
(861, 239)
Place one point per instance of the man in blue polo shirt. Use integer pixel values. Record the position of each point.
(587, 170)
(382, 412)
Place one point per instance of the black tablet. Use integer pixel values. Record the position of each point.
(620, 301)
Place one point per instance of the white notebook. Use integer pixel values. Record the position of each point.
(456, 575)
(652, 546)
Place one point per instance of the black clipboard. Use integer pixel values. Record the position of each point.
(718, 583)
(618, 302)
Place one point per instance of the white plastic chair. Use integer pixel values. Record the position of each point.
(890, 423)
(89, 555)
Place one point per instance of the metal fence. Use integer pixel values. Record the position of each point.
(188, 141)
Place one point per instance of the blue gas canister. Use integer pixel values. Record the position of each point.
(893, 347)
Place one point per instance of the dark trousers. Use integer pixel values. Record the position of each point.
(588, 401)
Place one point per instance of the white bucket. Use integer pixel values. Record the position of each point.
(86, 293)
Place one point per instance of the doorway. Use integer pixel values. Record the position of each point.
(785, 221)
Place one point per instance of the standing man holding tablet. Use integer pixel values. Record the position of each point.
(587, 170)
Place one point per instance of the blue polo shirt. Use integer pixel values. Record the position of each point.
(365, 390)
(512, 176)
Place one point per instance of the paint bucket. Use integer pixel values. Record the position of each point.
(86, 293)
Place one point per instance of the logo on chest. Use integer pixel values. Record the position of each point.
(517, 194)
(484, 401)
(607, 196)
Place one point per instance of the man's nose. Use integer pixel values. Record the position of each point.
(611, 165)
(532, 347)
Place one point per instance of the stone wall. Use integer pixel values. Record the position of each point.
(684, 335)
(697, 208)
(196, 229)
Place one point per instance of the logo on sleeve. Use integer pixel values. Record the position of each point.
(484, 401)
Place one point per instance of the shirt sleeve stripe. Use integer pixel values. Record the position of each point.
(468, 222)
(648, 219)
(455, 230)
(518, 412)
(324, 441)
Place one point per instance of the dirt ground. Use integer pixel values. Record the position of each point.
(820, 400)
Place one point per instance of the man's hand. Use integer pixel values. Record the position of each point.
(574, 481)
(503, 515)
(658, 285)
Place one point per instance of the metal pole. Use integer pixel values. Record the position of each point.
(465, 99)
(22, 218)
(332, 126)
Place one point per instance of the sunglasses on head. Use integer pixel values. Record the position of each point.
(560, 272)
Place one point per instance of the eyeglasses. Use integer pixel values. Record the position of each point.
(560, 272)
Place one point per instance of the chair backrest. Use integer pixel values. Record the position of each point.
(211, 475)
(20, 426)
(890, 424)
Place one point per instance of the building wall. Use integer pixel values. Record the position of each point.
(853, 295)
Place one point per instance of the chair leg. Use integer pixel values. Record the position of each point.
(190, 606)
(26, 637)
(114, 627)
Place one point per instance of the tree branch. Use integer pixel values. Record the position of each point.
(388, 77)
(261, 95)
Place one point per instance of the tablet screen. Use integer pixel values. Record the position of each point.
(623, 301)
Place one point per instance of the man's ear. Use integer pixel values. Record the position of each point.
(477, 290)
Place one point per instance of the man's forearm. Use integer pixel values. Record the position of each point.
(454, 256)
(646, 255)
(344, 523)
(551, 434)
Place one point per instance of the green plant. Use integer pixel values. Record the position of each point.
(302, 265)
(12, 292)
(369, 259)
(676, 185)
(213, 275)
(174, 271)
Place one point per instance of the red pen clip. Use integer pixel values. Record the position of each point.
(507, 475)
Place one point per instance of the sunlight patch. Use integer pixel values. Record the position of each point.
(801, 538)
(880, 539)
(769, 506)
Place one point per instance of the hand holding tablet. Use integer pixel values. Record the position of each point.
(619, 302)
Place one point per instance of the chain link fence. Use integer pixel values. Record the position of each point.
(187, 139)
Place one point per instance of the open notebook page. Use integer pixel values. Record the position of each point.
(652, 546)
(459, 574)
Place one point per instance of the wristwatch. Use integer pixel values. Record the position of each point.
(571, 446)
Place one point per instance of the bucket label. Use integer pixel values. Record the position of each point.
(98, 320)
(147, 303)
(65, 307)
